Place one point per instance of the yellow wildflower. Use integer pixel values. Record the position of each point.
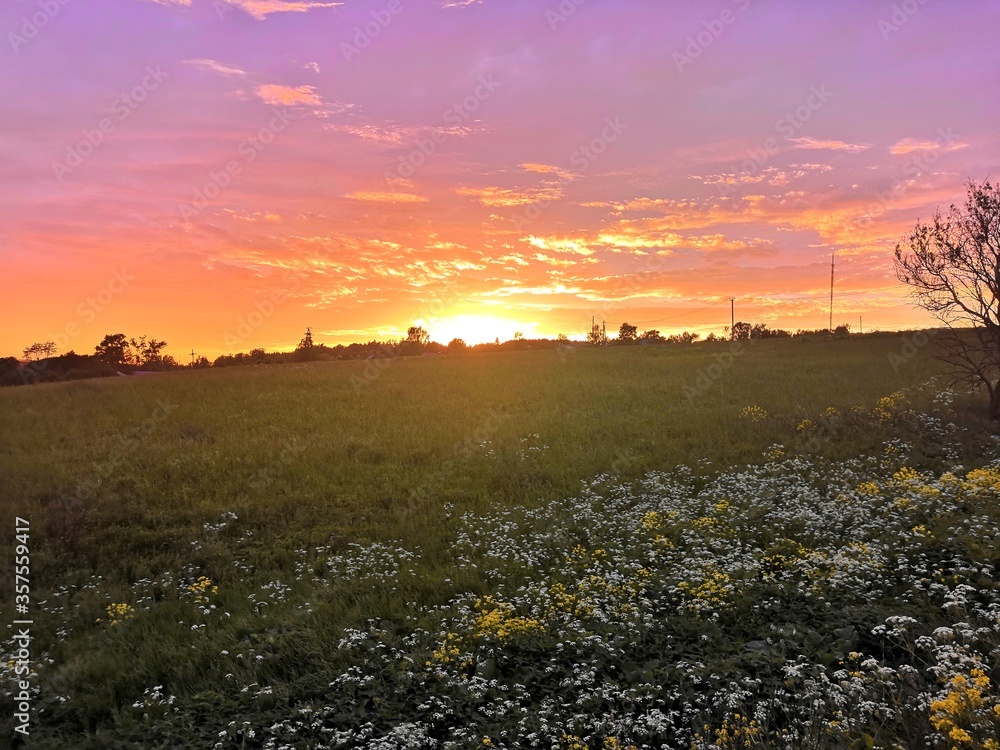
(118, 613)
(651, 520)
(753, 413)
(869, 488)
(497, 620)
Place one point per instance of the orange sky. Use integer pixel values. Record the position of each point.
(224, 174)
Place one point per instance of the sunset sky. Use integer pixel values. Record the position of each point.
(222, 174)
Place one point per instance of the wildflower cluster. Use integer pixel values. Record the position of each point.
(116, 614)
(497, 620)
(968, 715)
(201, 592)
(202, 589)
(737, 613)
(791, 604)
(888, 407)
(735, 733)
(376, 563)
(753, 413)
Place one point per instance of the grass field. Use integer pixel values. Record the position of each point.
(336, 555)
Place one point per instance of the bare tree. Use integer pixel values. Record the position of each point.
(953, 268)
(38, 350)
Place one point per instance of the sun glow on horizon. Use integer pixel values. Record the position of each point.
(477, 329)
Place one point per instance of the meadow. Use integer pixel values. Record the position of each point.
(779, 544)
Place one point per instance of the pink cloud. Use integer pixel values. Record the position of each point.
(387, 197)
(260, 9)
(909, 145)
(216, 67)
(288, 95)
(813, 143)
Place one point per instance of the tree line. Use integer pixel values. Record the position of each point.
(629, 334)
(118, 354)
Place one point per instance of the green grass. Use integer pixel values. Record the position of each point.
(119, 476)
(299, 449)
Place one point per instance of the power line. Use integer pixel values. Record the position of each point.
(866, 291)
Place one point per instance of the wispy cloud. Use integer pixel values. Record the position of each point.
(548, 169)
(391, 134)
(533, 290)
(559, 244)
(773, 176)
(458, 3)
(288, 95)
(909, 145)
(216, 67)
(496, 196)
(260, 9)
(851, 148)
(387, 197)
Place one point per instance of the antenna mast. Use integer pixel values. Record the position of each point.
(833, 257)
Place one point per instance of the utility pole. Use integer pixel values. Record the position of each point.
(861, 328)
(732, 317)
(192, 357)
(833, 257)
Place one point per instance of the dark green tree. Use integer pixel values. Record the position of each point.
(741, 331)
(307, 340)
(597, 336)
(114, 349)
(684, 338)
(148, 351)
(417, 335)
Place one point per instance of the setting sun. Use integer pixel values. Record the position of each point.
(477, 329)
